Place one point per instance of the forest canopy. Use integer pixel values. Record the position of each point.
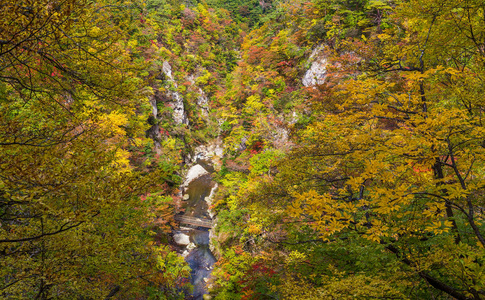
(72, 223)
(380, 193)
(354, 147)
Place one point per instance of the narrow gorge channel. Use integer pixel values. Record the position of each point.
(193, 241)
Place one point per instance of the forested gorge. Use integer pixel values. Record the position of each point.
(352, 136)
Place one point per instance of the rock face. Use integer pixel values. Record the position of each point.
(202, 99)
(154, 131)
(179, 115)
(212, 152)
(203, 103)
(209, 198)
(318, 69)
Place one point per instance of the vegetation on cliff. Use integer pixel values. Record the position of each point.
(354, 147)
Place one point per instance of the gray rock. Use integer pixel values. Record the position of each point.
(177, 104)
(191, 246)
(194, 173)
(318, 69)
(181, 239)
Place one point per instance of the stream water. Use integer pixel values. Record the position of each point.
(200, 257)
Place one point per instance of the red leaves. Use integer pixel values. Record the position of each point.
(56, 73)
(256, 148)
(262, 269)
(256, 54)
(164, 132)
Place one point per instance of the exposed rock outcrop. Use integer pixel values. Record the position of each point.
(202, 100)
(212, 152)
(318, 69)
(154, 131)
(177, 103)
(203, 103)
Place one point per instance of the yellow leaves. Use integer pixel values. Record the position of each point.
(455, 191)
(164, 52)
(374, 167)
(295, 257)
(439, 227)
(204, 78)
(355, 182)
(294, 210)
(82, 175)
(92, 50)
(132, 44)
(384, 36)
(254, 229)
(376, 156)
(327, 215)
(94, 31)
(339, 285)
(415, 77)
(253, 104)
(114, 122)
(377, 231)
(435, 210)
(122, 161)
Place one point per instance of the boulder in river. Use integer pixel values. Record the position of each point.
(194, 173)
(181, 239)
(191, 246)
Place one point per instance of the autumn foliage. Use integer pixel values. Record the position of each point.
(365, 181)
(380, 195)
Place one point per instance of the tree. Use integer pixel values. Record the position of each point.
(73, 224)
(390, 172)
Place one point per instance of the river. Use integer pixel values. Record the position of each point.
(197, 253)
